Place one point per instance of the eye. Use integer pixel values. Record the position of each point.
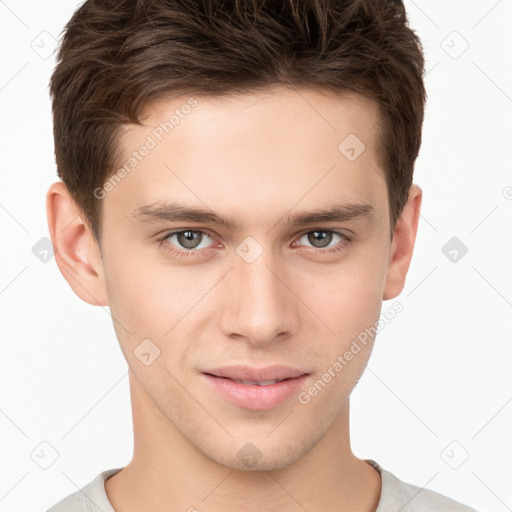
(321, 238)
(189, 239)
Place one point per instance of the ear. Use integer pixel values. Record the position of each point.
(77, 253)
(402, 244)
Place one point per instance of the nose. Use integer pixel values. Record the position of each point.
(260, 306)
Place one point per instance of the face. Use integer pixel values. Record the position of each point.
(231, 318)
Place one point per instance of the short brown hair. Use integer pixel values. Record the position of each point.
(117, 56)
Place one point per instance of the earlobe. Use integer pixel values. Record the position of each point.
(403, 244)
(76, 251)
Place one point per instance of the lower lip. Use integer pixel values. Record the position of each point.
(256, 398)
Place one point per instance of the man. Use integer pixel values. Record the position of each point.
(237, 188)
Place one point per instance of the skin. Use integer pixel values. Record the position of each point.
(256, 157)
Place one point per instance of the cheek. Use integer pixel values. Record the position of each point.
(348, 297)
(350, 308)
(135, 293)
(150, 300)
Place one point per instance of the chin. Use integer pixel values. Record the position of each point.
(259, 454)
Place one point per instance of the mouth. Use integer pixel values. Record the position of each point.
(253, 388)
(250, 374)
(252, 382)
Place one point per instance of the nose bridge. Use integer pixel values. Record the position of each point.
(260, 306)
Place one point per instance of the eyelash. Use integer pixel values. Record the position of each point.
(341, 246)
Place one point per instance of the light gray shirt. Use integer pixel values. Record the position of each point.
(395, 496)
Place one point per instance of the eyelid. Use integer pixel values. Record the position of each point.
(341, 231)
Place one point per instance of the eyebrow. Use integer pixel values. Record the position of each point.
(177, 212)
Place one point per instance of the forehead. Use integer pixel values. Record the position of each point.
(303, 111)
(281, 146)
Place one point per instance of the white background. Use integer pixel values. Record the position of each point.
(440, 372)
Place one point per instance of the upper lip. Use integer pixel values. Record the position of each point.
(244, 372)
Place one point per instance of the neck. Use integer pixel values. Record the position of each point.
(168, 473)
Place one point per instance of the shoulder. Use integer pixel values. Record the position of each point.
(399, 495)
(90, 498)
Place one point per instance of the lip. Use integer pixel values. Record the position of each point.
(252, 396)
(245, 372)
